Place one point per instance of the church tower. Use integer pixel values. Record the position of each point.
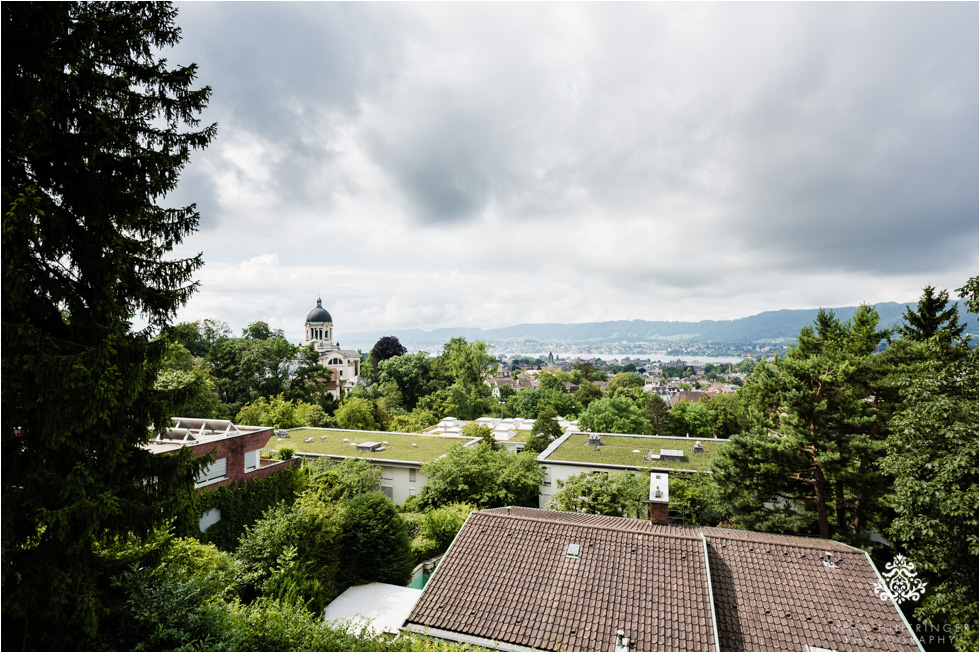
(345, 363)
(319, 328)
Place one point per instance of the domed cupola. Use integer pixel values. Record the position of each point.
(319, 314)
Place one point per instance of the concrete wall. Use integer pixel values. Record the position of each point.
(398, 479)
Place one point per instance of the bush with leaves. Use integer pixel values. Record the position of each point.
(482, 476)
(373, 542)
(155, 601)
(442, 524)
(695, 497)
(357, 413)
(349, 478)
(614, 415)
(242, 504)
(692, 419)
(619, 494)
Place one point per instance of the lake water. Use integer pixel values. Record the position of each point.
(663, 357)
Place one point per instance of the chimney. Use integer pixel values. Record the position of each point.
(622, 642)
(659, 498)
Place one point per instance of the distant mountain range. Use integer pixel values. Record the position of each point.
(770, 327)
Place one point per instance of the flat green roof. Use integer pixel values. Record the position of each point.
(399, 447)
(619, 450)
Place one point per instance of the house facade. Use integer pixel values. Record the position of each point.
(236, 449)
(236, 452)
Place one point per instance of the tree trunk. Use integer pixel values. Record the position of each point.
(862, 497)
(819, 487)
(840, 507)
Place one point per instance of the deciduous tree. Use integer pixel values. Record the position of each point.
(385, 348)
(614, 415)
(483, 476)
(619, 494)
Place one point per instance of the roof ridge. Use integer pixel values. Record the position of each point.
(618, 529)
(791, 540)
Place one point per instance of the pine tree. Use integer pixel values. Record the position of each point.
(826, 409)
(932, 317)
(96, 128)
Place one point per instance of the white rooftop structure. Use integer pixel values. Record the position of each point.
(186, 431)
(380, 607)
(658, 488)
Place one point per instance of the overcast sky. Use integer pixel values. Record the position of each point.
(436, 165)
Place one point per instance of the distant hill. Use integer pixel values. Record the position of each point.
(770, 327)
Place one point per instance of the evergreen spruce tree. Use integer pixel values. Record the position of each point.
(96, 128)
(933, 316)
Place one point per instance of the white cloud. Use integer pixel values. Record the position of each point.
(483, 165)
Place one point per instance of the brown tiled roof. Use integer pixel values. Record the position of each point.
(772, 595)
(507, 579)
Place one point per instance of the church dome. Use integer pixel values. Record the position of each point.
(319, 314)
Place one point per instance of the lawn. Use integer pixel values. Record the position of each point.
(621, 450)
(399, 447)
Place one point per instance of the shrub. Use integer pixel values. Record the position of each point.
(413, 523)
(442, 524)
(423, 548)
(373, 542)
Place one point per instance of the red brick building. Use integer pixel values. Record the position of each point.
(237, 449)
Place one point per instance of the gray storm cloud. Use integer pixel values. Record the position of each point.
(654, 141)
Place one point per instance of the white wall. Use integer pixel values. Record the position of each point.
(399, 480)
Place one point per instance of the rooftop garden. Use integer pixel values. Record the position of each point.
(399, 447)
(630, 450)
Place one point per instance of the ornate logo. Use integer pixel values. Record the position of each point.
(902, 584)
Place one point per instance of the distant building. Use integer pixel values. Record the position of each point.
(345, 363)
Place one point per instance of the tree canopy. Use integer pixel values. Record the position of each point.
(482, 476)
(619, 494)
(614, 415)
(96, 130)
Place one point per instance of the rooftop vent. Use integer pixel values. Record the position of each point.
(595, 440)
(573, 551)
(369, 446)
(671, 454)
(698, 447)
(829, 559)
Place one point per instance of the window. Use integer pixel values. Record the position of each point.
(389, 492)
(546, 480)
(412, 491)
(209, 519)
(252, 460)
(411, 475)
(386, 473)
(214, 472)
